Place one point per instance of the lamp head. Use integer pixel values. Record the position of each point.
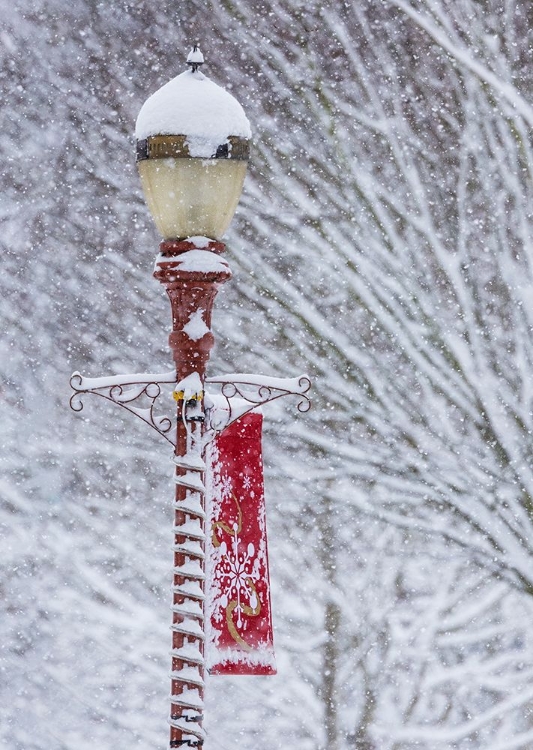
(193, 143)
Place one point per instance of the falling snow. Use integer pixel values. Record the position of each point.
(383, 245)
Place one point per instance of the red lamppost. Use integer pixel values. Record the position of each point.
(192, 150)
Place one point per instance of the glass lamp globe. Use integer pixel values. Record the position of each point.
(193, 142)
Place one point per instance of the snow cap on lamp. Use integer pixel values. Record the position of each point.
(193, 142)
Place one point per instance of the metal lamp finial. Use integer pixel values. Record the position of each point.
(195, 58)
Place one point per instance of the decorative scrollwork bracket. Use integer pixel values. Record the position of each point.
(125, 390)
(236, 395)
(240, 393)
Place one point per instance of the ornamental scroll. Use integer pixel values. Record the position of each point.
(240, 637)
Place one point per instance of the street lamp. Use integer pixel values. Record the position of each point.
(192, 150)
(193, 142)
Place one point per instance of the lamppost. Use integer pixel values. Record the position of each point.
(193, 143)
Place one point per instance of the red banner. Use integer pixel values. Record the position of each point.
(238, 603)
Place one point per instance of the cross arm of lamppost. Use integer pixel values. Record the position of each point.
(230, 397)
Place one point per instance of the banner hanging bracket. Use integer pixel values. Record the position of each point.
(236, 395)
(241, 393)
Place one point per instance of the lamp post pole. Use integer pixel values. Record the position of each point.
(191, 293)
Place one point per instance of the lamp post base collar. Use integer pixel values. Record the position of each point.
(171, 248)
(192, 266)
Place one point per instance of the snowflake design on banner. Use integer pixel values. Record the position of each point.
(237, 573)
(247, 484)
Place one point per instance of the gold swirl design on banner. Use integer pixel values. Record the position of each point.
(224, 526)
(251, 612)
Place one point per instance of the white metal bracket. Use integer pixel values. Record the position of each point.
(232, 396)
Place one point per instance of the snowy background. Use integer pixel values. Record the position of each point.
(383, 245)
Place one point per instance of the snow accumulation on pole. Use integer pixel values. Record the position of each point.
(195, 261)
